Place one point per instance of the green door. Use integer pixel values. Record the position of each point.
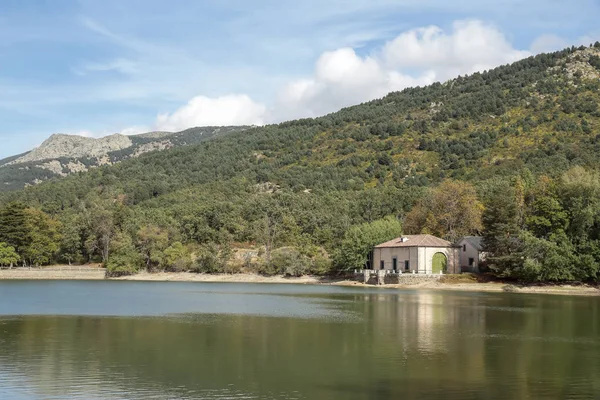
(439, 263)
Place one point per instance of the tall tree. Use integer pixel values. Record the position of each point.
(152, 241)
(13, 226)
(70, 246)
(450, 211)
(357, 245)
(43, 235)
(501, 226)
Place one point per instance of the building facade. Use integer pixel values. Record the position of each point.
(472, 255)
(422, 254)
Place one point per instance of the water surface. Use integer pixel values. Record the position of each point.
(161, 340)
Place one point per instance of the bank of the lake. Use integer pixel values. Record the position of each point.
(95, 272)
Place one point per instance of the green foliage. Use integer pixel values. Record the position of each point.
(13, 226)
(451, 211)
(287, 261)
(359, 240)
(211, 258)
(70, 245)
(152, 242)
(8, 255)
(177, 258)
(291, 261)
(124, 258)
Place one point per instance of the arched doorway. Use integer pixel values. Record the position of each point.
(439, 263)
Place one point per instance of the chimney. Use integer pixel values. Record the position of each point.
(403, 239)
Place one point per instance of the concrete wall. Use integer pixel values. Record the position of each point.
(468, 251)
(420, 258)
(402, 254)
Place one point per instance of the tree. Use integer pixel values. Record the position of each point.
(13, 226)
(177, 257)
(580, 194)
(101, 231)
(70, 246)
(450, 211)
(124, 258)
(547, 217)
(152, 241)
(211, 258)
(43, 234)
(501, 226)
(268, 217)
(8, 255)
(359, 240)
(289, 262)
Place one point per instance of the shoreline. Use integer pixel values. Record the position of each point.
(96, 273)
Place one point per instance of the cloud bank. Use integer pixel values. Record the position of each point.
(343, 77)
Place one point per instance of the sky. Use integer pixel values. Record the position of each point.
(95, 68)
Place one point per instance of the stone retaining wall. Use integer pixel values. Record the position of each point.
(378, 278)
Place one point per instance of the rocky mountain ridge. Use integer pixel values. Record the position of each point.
(72, 146)
(61, 154)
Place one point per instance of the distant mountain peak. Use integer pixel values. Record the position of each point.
(63, 154)
(60, 145)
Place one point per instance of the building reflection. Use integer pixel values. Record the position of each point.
(378, 344)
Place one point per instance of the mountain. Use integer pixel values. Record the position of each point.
(520, 143)
(540, 113)
(61, 155)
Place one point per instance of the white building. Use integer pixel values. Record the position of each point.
(423, 254)
(471, 253)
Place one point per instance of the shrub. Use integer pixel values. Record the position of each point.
(177, 258)
(211, 258)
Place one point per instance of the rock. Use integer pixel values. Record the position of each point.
(71, 146)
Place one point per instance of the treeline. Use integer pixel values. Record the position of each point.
(200, 229)
(535, 228)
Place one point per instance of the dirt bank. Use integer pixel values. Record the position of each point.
(94, 272)
(88, 272)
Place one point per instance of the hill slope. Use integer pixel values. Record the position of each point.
(61, 155)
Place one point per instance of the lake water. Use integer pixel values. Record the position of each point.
(143, 340)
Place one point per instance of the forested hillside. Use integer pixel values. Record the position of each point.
(512, 154)
(61, 155)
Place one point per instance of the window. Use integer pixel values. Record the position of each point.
(395, 264)
(406, 265)
(464, 247)
(471, 261)
(381, 264)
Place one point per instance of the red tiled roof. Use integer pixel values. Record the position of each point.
(416, 241)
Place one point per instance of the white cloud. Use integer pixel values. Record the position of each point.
(134, 130)
(416, 57)
(471, 46)
(120, 65)
(547, 43)
(205, 111)
(342, 77)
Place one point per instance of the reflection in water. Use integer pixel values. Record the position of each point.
(338, 343)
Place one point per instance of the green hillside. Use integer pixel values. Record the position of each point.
(516, 147)
(15, 174)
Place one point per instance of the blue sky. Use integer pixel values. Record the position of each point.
(100, 67)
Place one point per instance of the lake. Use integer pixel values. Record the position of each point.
(161, 340)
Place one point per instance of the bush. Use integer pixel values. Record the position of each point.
(122, 264)
(177, 258)
(211, 258)
(289, 262)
